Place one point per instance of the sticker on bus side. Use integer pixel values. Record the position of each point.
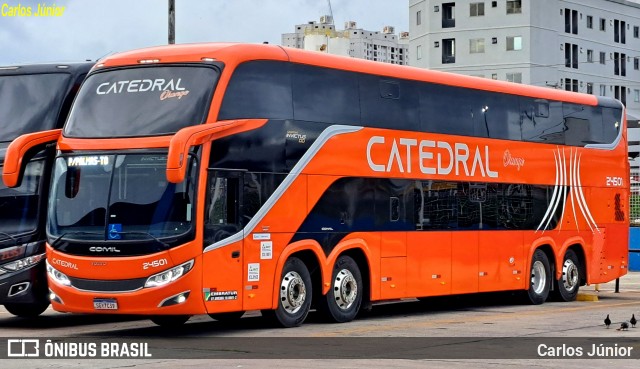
(253, 274)
(210, 294)
(266, 250)
(262, 236)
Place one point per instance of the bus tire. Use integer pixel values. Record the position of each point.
(294, 296)
(540, 283)
(569, 283)
(170, 321)
(27, 310)
(227, 317)
(342, 303)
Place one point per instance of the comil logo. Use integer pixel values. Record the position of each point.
(23, 348)
(509, 160)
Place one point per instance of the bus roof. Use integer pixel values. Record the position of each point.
(232, 54)
(71, 68)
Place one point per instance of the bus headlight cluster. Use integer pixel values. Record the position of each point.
(169, 275)
(58, 276)
(17, 265)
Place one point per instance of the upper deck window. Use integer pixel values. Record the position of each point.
(30, 103)
(141, 101)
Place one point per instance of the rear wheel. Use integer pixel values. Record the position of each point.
(295, 294)
(569, 283)
(540, 284)
(170, 321)
(342, 303)
(27, 310)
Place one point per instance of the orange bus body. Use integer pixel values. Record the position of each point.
(243, 273)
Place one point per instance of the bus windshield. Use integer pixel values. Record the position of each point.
(119, 197)
(141, 101)
(30, 103)
(18, 205)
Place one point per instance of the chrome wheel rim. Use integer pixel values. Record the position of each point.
(293, 292)
(538, 277)
(345, 289)
(570, 275)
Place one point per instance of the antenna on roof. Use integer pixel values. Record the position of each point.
(172, 22)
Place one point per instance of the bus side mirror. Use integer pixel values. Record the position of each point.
(188, 137)
(18, 153)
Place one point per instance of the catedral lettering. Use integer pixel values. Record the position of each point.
(33, 101)
(141, 85)
(202, 200)
(456, 158)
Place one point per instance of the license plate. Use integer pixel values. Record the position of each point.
(105, 304)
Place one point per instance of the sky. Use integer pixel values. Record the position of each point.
(91, 29)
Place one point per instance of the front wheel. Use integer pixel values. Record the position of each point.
(540, 284)
(27, 310)
(294, 299)
(569, 283)
(342, 302)
(170, 321)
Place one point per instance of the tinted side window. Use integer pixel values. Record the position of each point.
(610, 124)
(387, 103)
(258, 89)
(542, 121)
(583, 124)
(498, 116)
(446, 109)
(325, 95)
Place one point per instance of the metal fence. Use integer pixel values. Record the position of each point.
(634, 199)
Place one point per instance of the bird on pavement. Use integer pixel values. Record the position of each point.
(623, 326)
(633, 320)
(607, 321)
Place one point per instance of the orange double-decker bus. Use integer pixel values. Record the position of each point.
(221, 178)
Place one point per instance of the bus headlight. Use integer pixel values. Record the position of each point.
(169, 275)
(14, 266)
(58, 276)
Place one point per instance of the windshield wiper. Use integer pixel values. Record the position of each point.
(54, 243)
(10, 237)
(164, 244)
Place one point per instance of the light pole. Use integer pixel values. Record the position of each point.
(172, 22)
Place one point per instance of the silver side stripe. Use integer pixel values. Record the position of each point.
(567, 183)
(325, 136)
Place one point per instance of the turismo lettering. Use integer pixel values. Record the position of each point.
(141, 85)
(459, 157)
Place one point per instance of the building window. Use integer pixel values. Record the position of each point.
(419, 52)
(514, 43)
(494, 76)
(494, 40)
(603, 24)
(589, 56)
(476, 45)
(571, 55)
(636, 31)
(620, 64)
(603, 57)
(448, 51)
(589, 21)
(448, 15)
(514, 6)
(514, 77)
(619, 31)
(494, 4)
(590, 88)
(476, 9)
(571, 21)
(571, 84)
(603, 90)
(418, 17)
(620, 93)
(636, 63)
